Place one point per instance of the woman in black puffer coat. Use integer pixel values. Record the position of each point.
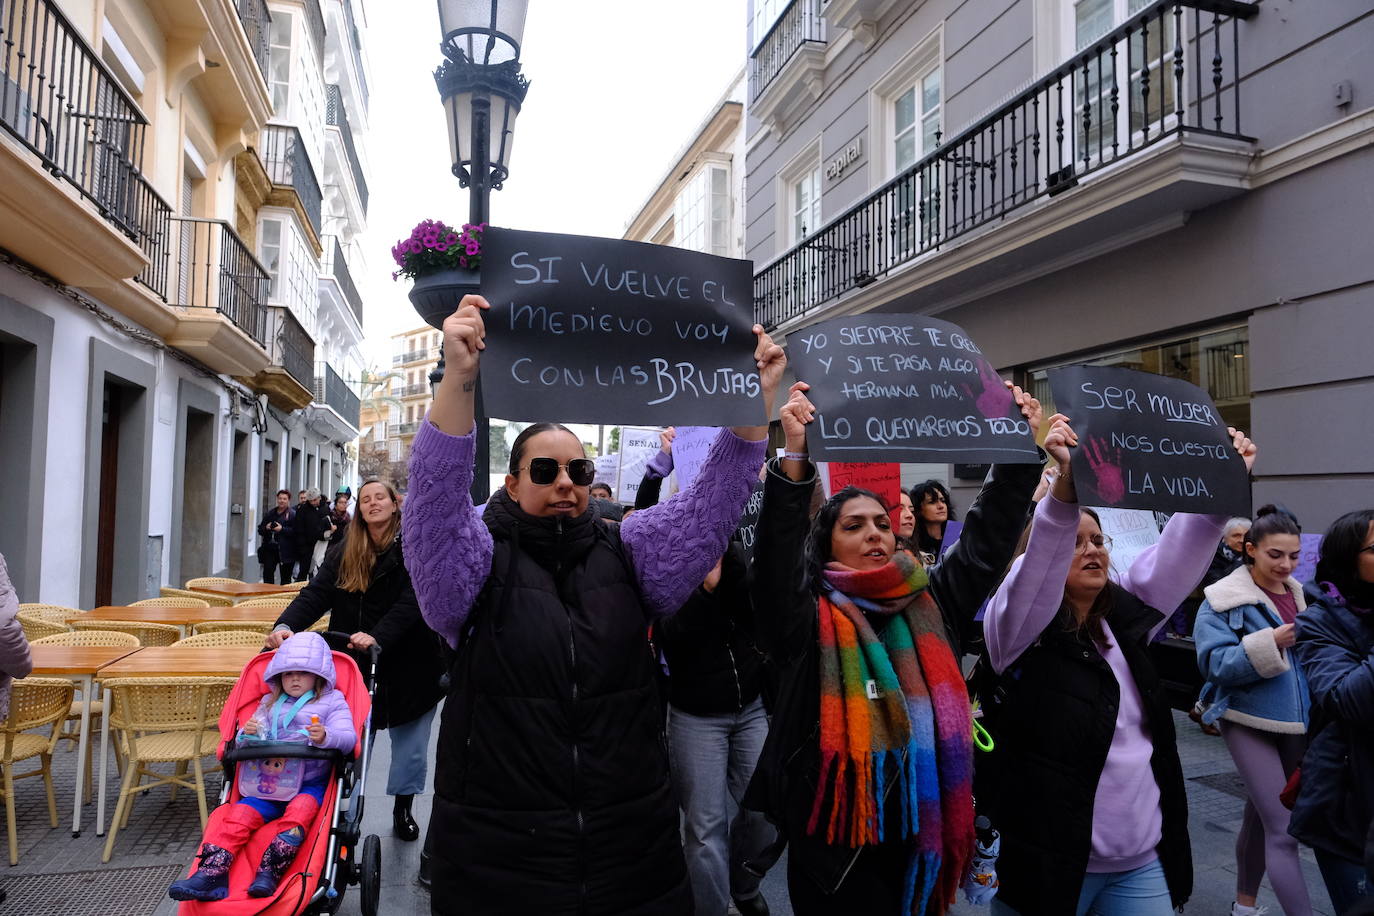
(365, 589)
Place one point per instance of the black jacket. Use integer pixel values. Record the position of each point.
(714, 665)
(551, 787)
(1335, 806)
(310, 524)
(409, 667)
(277, 546)
(784, 783)
(1052, 714)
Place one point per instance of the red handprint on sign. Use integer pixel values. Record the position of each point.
(1105, 463)
(995, 399)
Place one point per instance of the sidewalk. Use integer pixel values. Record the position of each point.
(61, 874)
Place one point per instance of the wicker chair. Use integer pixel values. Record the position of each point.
(163, 720)
(36, 627)
(86, 638)
(277, 601)
(260, 627)
(173, 601)
(213, 600)
(35, 702)
(297, 586)
(212, 582)
(55, 613)
(149, 634)
(223, 638)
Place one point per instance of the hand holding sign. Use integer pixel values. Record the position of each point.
(465, 332)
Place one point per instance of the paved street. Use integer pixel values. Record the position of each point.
(59, 874)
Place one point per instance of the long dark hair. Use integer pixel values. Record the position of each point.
(1339, 558)
(1101, 606)
(1270, 519)
(922, 490)
(818, 551)
(517, 449)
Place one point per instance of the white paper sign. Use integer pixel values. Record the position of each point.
(607, 467)
(638, 445)
(690, 446)
(1131, 531)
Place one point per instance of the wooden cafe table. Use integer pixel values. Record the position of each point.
(165, 661)
(184, 617)
(241, 590)
(80, 664)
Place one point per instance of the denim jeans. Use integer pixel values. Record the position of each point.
(409, 755)
(1346, 882)
(1139, 892)
(713, 755)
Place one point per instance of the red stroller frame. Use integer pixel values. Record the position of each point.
(325, 866)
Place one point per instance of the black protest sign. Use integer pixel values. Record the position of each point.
(748, 523)
(1147, 441)
(595, 330)
(905, 388)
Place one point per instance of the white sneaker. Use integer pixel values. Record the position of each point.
(1238, 910)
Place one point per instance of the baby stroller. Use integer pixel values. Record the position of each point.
(329, 859)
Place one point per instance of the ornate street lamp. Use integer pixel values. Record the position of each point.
(482, 89)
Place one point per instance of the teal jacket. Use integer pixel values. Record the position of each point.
(1250, 680)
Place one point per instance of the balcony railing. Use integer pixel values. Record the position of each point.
(215, 270)
(1167, 70)
(336, 116)
(337, 267)
(405, 429)
(286, 161)
(410, 391)
(414, 356)
(314, 17)
(152, 220)
(801, 23)
(59, 101)
(257, 24)
(291, 347)
(332, 390)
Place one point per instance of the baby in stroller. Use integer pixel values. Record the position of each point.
(300, 705)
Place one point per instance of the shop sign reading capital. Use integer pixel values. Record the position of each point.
(852, 154)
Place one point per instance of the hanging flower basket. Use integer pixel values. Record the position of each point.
(444, 264)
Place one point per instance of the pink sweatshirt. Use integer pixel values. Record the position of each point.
(1127, 823)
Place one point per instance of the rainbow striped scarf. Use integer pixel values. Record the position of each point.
(893, 703)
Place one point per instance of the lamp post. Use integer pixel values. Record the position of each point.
(482, 89)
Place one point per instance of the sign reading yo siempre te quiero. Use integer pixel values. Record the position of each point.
(906, 388)
(1148, 441)
(595, 330)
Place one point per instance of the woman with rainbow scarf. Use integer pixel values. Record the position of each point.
(868, 766)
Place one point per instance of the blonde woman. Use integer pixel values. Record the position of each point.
(365, 589)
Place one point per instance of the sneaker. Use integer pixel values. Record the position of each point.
(754, 906)
(1238, 910)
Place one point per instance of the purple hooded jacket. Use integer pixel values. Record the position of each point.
(309, 652)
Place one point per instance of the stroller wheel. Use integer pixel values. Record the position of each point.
(370, 867)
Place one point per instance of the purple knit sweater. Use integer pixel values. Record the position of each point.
(1127, 821)
(672, 546)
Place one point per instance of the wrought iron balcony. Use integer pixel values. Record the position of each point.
(414, 356)
(215, 270)
(152, 220)
(406, 429)
(287, 163)
(411, 391)
(58, 99)
(290, 346)
(800, 24)
(1166, 71)
(257, 24)
(355, 44)
(337, 267)
(330, 389)
(336, 116)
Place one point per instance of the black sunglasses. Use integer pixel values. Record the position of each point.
(544, 471)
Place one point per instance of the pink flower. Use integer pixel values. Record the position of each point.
(442, 246)
(451, 239)
(462, 261)
(473, 247)
(414, 246)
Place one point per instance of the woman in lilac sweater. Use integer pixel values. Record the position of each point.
(1085, 783)
(551, 785)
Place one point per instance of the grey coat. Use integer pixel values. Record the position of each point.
(14, 647)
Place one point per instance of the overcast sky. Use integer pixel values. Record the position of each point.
(617, 88)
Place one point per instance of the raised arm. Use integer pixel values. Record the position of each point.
(1166, 572)
(447, 546)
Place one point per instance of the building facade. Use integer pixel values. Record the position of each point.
(1180, 187)
(181, 187)
(406, 396)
